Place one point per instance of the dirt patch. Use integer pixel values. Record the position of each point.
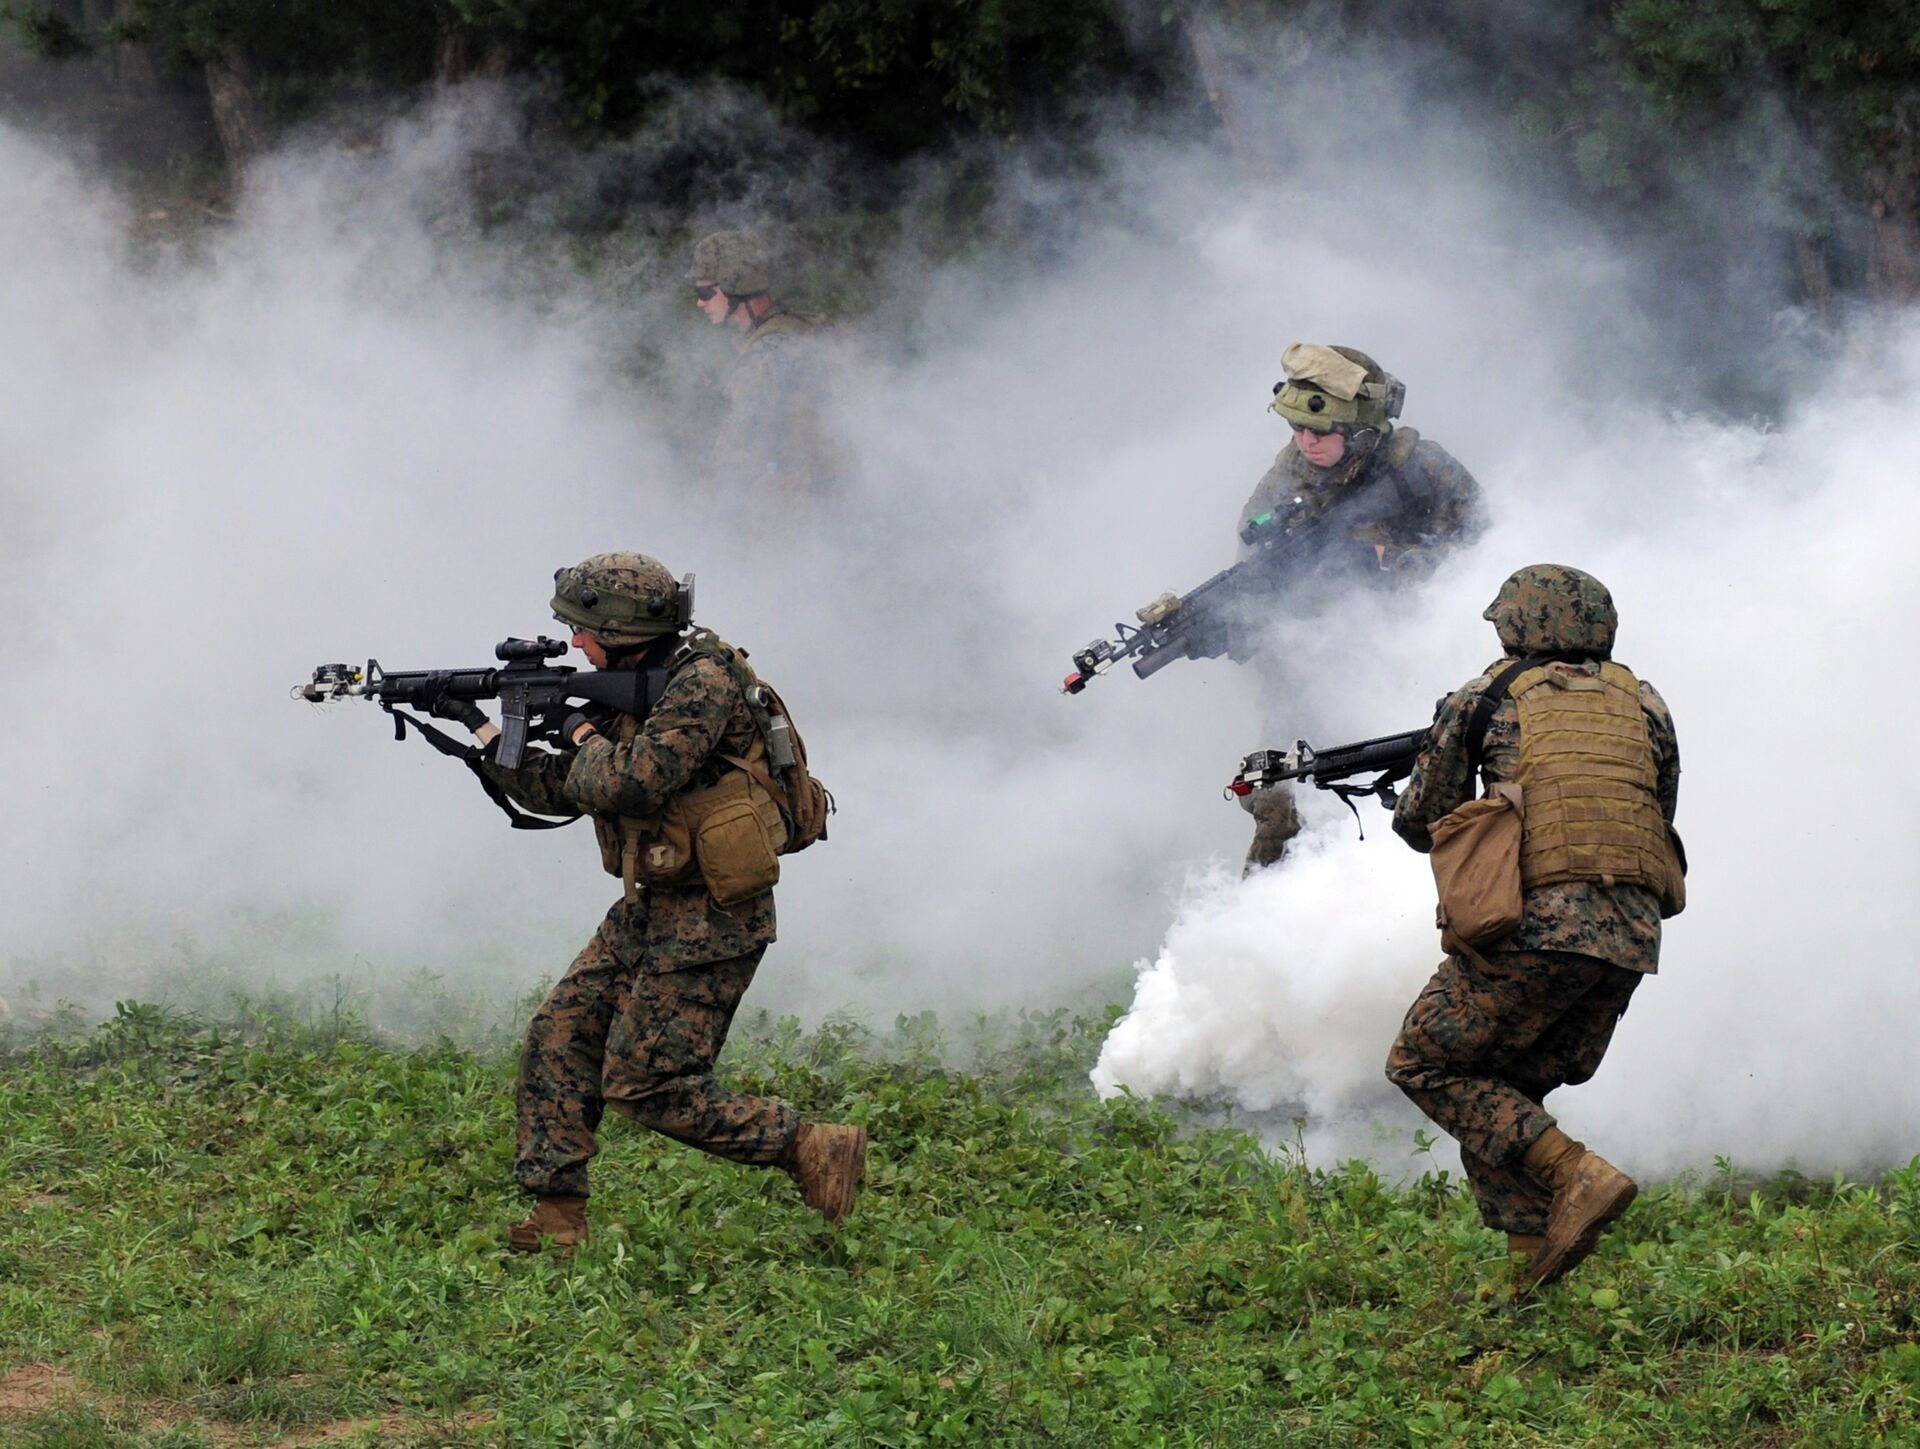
(388, 1425)
(35, 1388)
(45, 1200)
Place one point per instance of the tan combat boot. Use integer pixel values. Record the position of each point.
(561, 1221)
(826, 1160)
(1588, 1193)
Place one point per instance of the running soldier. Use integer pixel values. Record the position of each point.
(637, 1021)
(1594, 753)
(1341, 404)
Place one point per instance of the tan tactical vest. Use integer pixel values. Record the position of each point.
(731, 833)
(1590, 782)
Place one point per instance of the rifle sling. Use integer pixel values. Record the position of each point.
(1489, 701)
(470, 756)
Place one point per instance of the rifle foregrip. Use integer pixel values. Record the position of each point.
(1372, 755)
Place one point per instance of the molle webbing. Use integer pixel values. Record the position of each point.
(1588, 774)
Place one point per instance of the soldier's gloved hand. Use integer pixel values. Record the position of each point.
(596, 715)
(460, 711)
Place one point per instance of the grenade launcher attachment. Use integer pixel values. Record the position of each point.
(1389, 758)
(532, 693)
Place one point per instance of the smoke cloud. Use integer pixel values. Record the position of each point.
(355, 423)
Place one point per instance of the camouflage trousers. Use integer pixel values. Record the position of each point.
(618, 1031)
(1482, 1046)
(1276, 820)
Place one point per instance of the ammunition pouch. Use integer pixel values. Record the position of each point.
(1476, 866)
(729, 835)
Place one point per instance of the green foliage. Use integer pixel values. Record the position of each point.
(236, 1233)
(45, 31)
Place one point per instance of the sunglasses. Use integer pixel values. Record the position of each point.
(706, 294)
(1301, 428)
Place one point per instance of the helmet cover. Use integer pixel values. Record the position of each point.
(731, 261)
(621, 598)
(1336, 388)
(1553, 609)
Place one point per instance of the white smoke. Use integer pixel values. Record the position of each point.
(351, 427)
(1763, 585)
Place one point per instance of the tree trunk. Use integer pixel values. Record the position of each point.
(236, 111)
(1816, 276)
(1893, 204)
(459, 58)
(1222, 37)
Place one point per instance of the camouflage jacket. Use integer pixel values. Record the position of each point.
(1432, 505)
(1618, 924)
(700, 717)
(773, 430)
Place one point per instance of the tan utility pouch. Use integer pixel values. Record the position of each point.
(733, 831)
(1476, 865)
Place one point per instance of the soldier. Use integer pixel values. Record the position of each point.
(638, 1019)
(1341, 404)
(772, 430)
(1594, 753)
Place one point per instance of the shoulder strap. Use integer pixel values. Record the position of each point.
(470, 756)
(1490, 697)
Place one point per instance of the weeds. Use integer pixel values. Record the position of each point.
(259, 1230)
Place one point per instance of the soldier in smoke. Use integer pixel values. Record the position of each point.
(1595, 757)
(638, 1019)
(1340, 405)
(773, 429)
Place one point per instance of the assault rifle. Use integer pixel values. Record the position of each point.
(1391, 756)
(528, 688)
(1201, 623)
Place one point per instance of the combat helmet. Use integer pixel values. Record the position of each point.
(622, 598)
(1553, 609)
(1329, 388)
(732, 261)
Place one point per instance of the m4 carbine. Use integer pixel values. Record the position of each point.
(1202, 623)
(527, 687)
(1389, 759)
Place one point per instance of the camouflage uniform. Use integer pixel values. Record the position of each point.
(1433, 503)
(772, 430)
(1433, 506)
(642, 1013)
(1486, 1041)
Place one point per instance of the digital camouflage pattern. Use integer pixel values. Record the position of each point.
(700, 717)
(1546, 608)
(731, 261)
(620, 598)
(640, 1016)
(1488, 1039)
(1432, 506)
(633, 1028)
(1276, 820)
(1484, 1044)
(773, 429)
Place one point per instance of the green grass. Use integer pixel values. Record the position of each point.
(270, 1233)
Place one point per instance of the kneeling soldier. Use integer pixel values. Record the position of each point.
(640, 1016)
(1593, 751)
